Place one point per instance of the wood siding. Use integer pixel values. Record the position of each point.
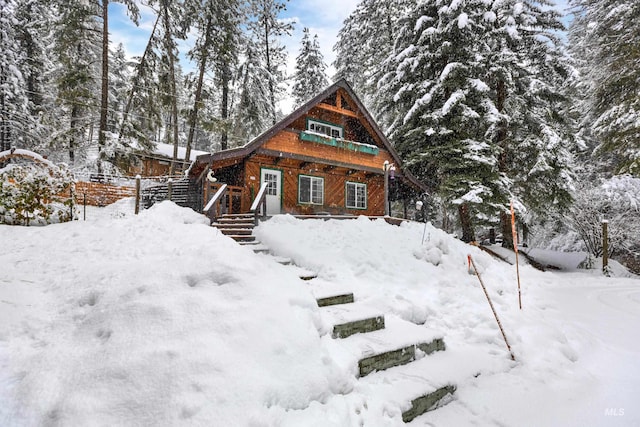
(289, 141)
(334, 186)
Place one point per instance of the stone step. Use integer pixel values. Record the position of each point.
(398, 357)
(428, 402)
(335, 300)
(361, 326)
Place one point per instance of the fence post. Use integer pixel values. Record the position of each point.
(169, 188)
(84, 203)
(605, 245)
(137, 194)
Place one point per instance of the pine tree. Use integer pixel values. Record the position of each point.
(77, 50)
(217, 47)
(373, 27)
(310, 77)
(266, 29)
(477, 90)
(447, 108)
(33, 33)
(605, 35)
(253, 111)
(13, 99)
(529, 74)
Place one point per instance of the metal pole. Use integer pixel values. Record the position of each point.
(84, 215)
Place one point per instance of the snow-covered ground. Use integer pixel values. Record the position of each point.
(158, 319)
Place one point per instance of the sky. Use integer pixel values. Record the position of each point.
(324, 21)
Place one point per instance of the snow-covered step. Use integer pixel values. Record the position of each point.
(428, 402)
(414, 387)
(347, 320)
(275, 258)
(360, 326)
(257, 246)
(302, 273)
(329, 300)
(399, 343)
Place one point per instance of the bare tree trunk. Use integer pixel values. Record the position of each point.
(172, 82)
(104, 102)
(465, 222)
(272, 96)
(224, 139)
(73, 134)
(193, 117)
(136, 80)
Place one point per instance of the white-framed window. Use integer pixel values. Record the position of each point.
(272, 183)
(325, 128)
(356, 195)
(310, 190)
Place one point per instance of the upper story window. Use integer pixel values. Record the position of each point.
(328, 129)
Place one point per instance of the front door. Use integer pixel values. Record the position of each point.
(273, 178)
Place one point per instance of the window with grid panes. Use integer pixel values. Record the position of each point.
(356, 197)
(310, 190)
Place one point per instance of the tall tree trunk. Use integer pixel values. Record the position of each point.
(73, 134)
(136, 79)
(193, 117)
(104, 102)
(468, 234)
(172, 82)
(224, 138)
(503, 162)
(505, 226)
(272, 96)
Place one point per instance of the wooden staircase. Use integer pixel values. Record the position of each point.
(237, 226)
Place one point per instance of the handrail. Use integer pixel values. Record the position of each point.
(260, 200)
(214, 202)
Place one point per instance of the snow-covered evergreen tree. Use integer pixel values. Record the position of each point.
(605, 35)
(310, 76)
(77, 44)
(365, 41)
(266, 28)
(446, 107)
(23, 60)
(253, 111)
(477, 92)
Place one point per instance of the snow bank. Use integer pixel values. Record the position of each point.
(158, 319)
(155, 319)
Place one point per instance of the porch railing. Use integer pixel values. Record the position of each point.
(260, 202)
(213, 208)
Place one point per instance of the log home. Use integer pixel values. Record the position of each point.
(327, 157)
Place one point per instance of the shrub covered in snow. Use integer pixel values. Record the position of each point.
(28, 194)
(616, 200)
